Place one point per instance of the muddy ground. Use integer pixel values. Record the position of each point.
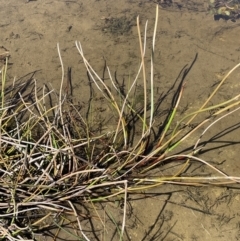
(107, 31)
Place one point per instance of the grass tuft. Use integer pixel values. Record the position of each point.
(53, 157)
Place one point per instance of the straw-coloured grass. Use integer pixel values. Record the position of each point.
(51, 160)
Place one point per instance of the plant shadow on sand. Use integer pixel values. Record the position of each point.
(80, 169)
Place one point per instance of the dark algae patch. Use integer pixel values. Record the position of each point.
(118, 26)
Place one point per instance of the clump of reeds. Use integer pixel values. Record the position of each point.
(51, 160)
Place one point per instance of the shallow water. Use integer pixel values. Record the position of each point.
(107, 31)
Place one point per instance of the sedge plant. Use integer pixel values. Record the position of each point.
(52, 158)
